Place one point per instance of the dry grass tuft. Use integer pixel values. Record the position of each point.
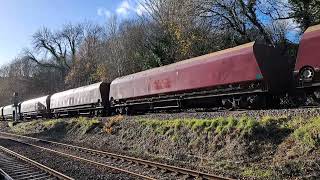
(108, 126)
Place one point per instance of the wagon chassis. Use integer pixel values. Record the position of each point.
(89, 109)
(232, 93)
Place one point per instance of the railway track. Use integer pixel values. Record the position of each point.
(14, 166)
(134, 166)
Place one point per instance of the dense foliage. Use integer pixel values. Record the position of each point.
(168, 31)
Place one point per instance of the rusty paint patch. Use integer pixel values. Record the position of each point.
(162, 84)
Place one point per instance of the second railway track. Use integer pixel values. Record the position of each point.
(14, 166)
(137, 167)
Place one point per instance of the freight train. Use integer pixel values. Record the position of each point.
(250, 76)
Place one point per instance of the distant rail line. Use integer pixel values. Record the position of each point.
(141, 168)
(14, 166)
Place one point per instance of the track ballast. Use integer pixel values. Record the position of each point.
(137, 167)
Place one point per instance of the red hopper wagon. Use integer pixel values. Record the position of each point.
(229, 78)
(308, 60)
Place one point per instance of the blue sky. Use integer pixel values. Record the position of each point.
(19, 19)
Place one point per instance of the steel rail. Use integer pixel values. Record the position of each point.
(166, 167)
(45, 169)
(84, 159)
(5, 175)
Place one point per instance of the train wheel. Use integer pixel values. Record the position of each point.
(98, 113)
(57, 115)
(311, 98)
(316, 96)
(91, 113)
(105, 113)
(306, 74)
(120, 110)
(243, 102)
(228, 103)
(127, 111)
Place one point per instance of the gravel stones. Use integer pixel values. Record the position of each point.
(68, 166)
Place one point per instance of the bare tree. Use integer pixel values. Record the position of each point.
(173, 28)
(56, 49)
(86, 59)
(242, 16)
(73, 35)
(121, 48)
(306, 12)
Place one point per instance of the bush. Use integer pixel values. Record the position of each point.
(309, 133)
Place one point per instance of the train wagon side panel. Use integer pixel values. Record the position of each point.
(74, 98)
(8, 111)
(34, 105)
(226, 67)
(1, 113)
(161, 81)
(308, 54)
(238, 67)
(253, 67)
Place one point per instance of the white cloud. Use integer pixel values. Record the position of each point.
(104, 12)
(140, 9)
(124, 8)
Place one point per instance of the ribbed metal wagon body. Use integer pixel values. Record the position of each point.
(246, 64)
(86, 98)
(309, 49)
(307, 68)
(1, 113)
(8, 112)
(35, 107)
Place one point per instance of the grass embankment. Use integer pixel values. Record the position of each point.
(79, 125)
(300, 133)
(282, 147)
(218, 125)
(305, 131)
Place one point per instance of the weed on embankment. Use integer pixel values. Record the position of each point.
(79, 125)
(218, 125)
(284, 139)
(305, 130)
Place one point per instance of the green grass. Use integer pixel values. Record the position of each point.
(297, 122)
(22, 128)
(12, 124)
(247, 125)
(83, 125)
(309, 133)
(51, 123)
(217, 125)
(255, 172)
(306, 131)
